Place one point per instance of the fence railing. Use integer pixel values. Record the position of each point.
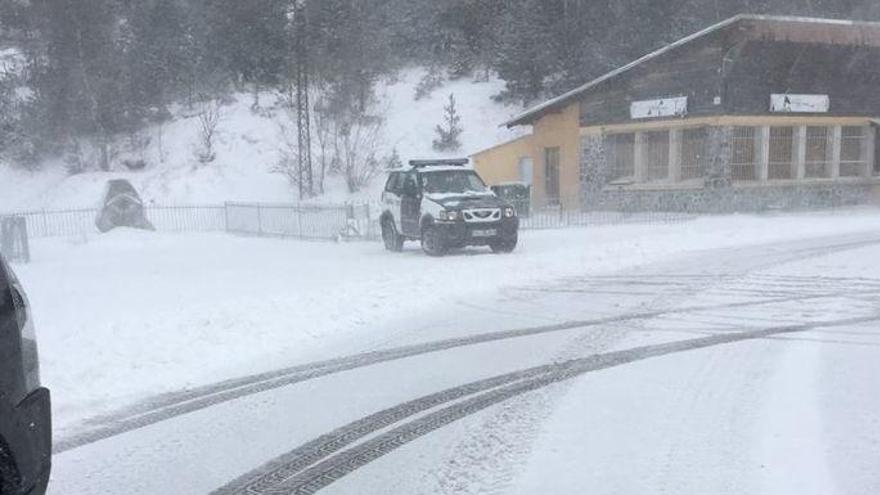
(558, 218)
(302, 221)
(567, 212)
(187, 218)
(307, 221)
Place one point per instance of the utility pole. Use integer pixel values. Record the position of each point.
(303, 110)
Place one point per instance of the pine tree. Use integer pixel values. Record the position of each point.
(449, 132)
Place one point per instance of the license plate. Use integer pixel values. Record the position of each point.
(485, 233)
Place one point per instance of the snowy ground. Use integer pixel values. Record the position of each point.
(131, 315)
(248, 148)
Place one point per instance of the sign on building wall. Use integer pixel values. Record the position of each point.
(800, 103)
(664, 107)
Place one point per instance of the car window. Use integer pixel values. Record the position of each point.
(393, 186)
(410, 181)
(463, 181)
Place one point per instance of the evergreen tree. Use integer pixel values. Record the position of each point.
(449, 132)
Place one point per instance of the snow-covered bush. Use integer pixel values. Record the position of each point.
(210, 114)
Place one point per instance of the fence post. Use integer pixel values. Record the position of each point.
(369, 220)
(226, 217)
(25, 242)
(259, 220)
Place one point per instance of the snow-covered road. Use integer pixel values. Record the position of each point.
(711, 364)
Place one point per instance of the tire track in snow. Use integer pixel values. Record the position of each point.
(228, 391)
(321, 462)
(177, 404)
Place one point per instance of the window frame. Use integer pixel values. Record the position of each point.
(556, 165)
(615, 177)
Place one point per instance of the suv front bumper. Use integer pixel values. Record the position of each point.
(29, 435)
(460, 233)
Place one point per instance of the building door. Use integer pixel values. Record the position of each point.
(526, 170)
(551, 175)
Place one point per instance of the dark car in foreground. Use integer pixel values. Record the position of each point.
(25, 414)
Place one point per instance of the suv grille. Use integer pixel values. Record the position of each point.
(482, 215)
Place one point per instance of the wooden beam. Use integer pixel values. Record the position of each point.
(800, 154)
(836, 139)
(730, 120)
(870, 151)
(639, 157)
(675, 155)
(763, 136)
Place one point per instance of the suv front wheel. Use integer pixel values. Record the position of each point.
(503, 245)
(393, 240)
(432, 242)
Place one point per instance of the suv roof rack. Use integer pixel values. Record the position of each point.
(456, 162)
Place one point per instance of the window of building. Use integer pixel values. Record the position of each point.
(744, 159)
(781, 153)
(693, 152)
(817, 164)
(621, 157)
(656, 155)
(853, 159)
(551, 175)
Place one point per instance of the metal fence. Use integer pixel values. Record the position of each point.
(308, 221)
(559, 218)
(302, 221)
(78, 222)
(566, 211)
(187, 218)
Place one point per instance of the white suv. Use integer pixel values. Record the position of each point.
(445, 205)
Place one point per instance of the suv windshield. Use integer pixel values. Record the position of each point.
(453, 181)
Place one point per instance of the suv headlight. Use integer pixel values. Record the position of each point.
(448, 216)
(509, 212)
(29, 356)
(31, 363)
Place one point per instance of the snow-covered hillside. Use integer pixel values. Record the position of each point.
(248, 147)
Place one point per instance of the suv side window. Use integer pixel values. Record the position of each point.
(391, 183)
(410, 182)
(392, 186)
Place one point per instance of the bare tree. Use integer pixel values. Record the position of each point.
(288, 151)
(210, 115)
(355, 146)
(324, 149)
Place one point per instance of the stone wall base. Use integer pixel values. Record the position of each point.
(731, 199)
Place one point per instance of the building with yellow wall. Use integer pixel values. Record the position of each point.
(755, 112)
